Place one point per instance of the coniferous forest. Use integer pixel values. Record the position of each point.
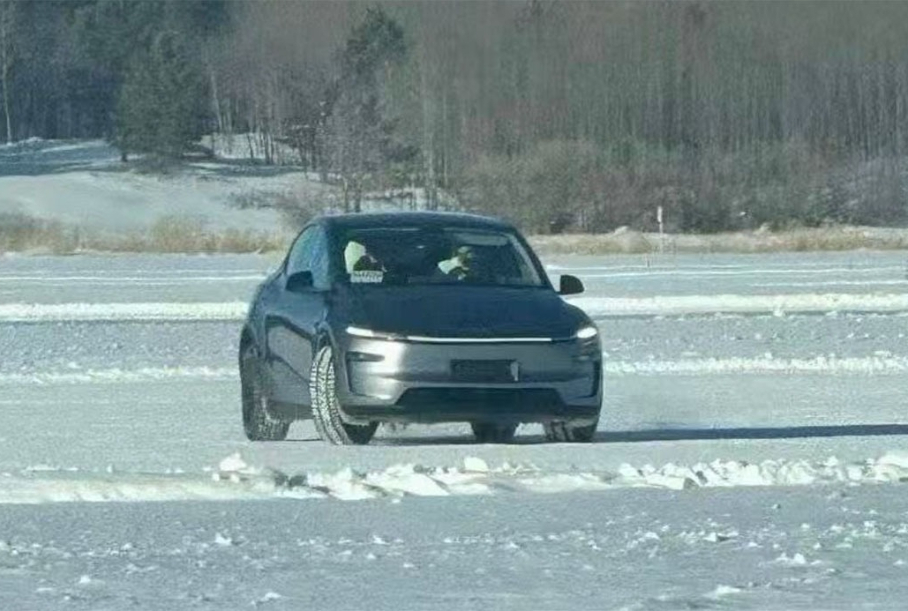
(563, 116)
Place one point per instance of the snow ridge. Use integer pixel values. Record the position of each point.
(235, 480)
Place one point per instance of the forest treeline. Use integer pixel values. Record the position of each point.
(563, 116)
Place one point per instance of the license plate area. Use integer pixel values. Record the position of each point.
(489, 371)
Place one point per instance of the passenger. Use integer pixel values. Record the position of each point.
(462, 263)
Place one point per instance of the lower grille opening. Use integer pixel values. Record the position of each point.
(505, 397)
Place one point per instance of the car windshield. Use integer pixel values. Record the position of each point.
(423, 256)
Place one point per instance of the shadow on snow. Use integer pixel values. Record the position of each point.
(673, 434)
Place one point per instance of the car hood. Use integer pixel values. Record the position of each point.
(463, 311)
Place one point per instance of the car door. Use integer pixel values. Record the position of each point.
(293, 320)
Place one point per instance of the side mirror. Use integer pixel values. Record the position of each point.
(299, 282)
(570, 285)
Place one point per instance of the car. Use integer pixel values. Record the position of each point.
(417, 317)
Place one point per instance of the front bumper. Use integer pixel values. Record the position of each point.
(411, 381)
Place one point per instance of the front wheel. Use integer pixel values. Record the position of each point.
(326, 412)
(257, 424)
(486, 432)
(570, 432)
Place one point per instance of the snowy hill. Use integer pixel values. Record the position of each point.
(84, 184)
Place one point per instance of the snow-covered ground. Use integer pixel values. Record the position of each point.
(741, 548)
(83, 184)
(751, 454)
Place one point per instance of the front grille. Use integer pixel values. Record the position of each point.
(504, 397)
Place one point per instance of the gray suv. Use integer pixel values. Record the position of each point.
(417, 317)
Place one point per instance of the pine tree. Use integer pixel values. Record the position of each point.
(161, 103)
(358, 134)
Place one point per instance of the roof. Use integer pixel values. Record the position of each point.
(422, 218)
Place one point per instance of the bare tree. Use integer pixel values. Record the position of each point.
(7, 25)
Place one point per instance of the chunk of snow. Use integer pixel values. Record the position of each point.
(722, 591)
(234, 462)
(223, 541)
(269, 597)
(797, 559)
(472, 463)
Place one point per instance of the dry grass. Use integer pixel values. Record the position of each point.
(22, 233)
(170, 234)
(798, 240)
(187, 234)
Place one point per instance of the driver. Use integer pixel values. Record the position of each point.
(368, 263)
(359, 259)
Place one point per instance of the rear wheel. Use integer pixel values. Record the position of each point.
(257, 424)
(570, 432)
(487, 432)
(326, 408)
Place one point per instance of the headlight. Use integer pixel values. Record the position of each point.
(588, 332)
(360, 332)
(369, 333)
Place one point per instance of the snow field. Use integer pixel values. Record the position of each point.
(752, 452)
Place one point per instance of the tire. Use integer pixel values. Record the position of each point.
(257, 424)
(487, 432)
(569, 432)
(326, 408)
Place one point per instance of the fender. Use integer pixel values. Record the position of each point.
(326, 335)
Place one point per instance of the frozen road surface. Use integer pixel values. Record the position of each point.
(752, 454)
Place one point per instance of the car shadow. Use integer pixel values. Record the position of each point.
(784, 432)
(676, 434)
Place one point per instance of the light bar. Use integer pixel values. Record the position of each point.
(587, 332)
(370, 334)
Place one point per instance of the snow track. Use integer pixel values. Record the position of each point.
(117, 376)
(825, 365)
(110, 312)
(674, 305)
